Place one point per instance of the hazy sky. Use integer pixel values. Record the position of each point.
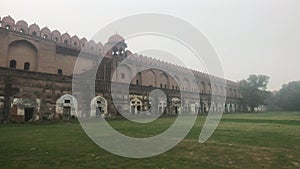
(250, 36)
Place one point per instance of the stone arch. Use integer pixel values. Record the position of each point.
(34, 30)
(135, 105)
(8, 23)
(230, 92)
(121, 51)
(60, 72)
(26, 66)
(13, 64)
(213, 107)
(46, 33)
(237, 108)
(162, 106)
(163, 80)
(175, 105)
(205, 107)
(178, 83)
(67, 106)
(23, 51)
(228, 107)
(216, 90)
(149, 78)
(25, 107)
(221, 91)
(238, 93)
(99, 107)
(65, 39)
(203, 87)
(22, 26)
(186, 84)
(209, 88)
(198, 107)
(173, 84)
(232, 107)
(234, 92)
(193, 86)
(220, 107)
(56, 36)
(187, 106)
(114, 51)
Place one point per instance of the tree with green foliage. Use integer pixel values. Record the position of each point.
(288, 97)
(254, 91)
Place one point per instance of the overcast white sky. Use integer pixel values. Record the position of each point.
(250, 36)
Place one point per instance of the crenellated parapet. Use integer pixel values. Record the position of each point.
(63, 39)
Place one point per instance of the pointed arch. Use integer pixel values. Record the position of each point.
(149, 78)
(21, 50)
(164, 80)
(135, 105)
(98, 107)
(67, 106)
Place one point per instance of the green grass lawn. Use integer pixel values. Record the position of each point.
(252, 140)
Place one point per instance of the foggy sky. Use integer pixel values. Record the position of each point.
(250, 36)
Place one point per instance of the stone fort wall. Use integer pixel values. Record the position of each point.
(40, 63)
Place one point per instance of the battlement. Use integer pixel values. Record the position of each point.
(59, 38)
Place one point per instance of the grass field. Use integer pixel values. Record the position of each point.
(257, 140)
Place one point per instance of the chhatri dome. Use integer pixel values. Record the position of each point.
(115, 38)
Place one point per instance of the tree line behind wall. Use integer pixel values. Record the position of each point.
(254, 92)
(287, 98)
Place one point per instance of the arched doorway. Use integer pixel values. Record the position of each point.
(214, 107)
(13, 64)
(205, 107)
(25, 109)
(99, 107)
(135, 105)
(197, 108)
(162, 105)
(175, 105)
(66, 107)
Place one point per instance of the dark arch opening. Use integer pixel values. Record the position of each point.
(59, 72)
(114, 51)
(7, 27)
(13, 64)
(26, 66)
(66, 42)
(34, 33)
